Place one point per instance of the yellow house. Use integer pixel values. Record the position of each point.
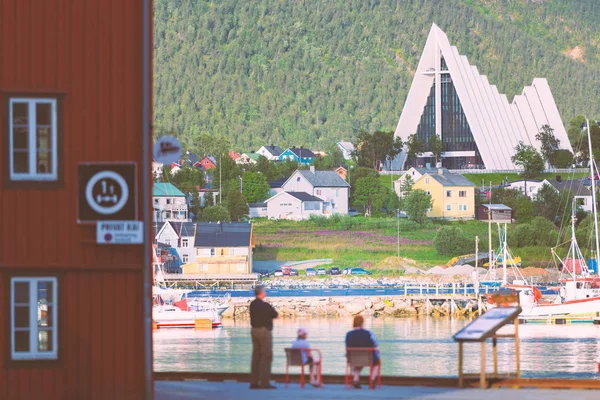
(453, 195)
(222, 248)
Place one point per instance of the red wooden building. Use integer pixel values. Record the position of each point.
(75, 85)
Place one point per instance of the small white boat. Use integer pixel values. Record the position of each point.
(180, 315)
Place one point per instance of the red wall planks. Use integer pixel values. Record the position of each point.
(90, 52)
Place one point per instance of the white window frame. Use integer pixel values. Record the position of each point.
(184, 243)
(34, 330)
(426, 180)
(185, 258)
(33, 175)
(448, 207)
(203, 267)
(448, 193)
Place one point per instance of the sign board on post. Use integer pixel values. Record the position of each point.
(107, 192)
(120, 232)
(167, 150)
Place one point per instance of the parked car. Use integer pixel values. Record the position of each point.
(311, 272)
(321, 271)
(334, 271)
(278, 273)
(359, 271)
(293, 272)
(353, 212)
(345, 271)
(285, 269)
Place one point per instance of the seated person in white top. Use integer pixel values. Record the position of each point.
(302, 343)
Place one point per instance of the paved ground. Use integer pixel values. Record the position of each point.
(199, 390)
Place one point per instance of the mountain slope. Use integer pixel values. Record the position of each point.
(313, 72)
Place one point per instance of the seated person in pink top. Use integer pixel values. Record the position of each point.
(302, 343)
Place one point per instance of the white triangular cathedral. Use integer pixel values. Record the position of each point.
(479, 127)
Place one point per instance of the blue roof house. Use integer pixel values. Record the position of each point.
(299, 155)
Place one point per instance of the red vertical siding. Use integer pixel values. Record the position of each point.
(89, 52)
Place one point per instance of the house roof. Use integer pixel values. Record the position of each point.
(303, 196)
(192, 158)
(274, 150)
(163, 189)
(346, 146)
(525, 180)
(183, 229)
(277, 183)
(323, 178)
(301, 152)
(576, 185)
(451, 179)
(497, 207)
(223, 234)
(252, 156)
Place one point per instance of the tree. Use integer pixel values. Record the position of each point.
(370, 194)
(563, 158)
(595, 137)
(575, 133)
(236, 205)
(266, 168)
(451, 241)
(436, 146)
(227, 173)
(376, 148)
(553, 205)
(416, 205)
(415, 146)
(214, 214)
(195, 203)
(528, 158)
(333, 158)
(188, 179)
(406, 186)
(525, 209)
(255, 187)
(549, 144)
(209, 199)
(508, 197)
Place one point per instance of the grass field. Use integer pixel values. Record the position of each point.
(367, 242)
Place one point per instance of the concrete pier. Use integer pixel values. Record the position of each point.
(203, 390)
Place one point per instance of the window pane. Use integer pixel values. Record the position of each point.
(20, 113)
(44, 162)
(43, 138)
(43, 113)
(20, 138)
(45, 291)
(21, 161)
(45, 341)
(45, 315)
(21, 316)
(22, 341)
(21, 292)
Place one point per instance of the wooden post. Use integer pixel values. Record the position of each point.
(495, 347)
(517, 355)
(482, 381)
(460, 365)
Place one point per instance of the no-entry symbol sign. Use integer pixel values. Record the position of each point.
(107, 191)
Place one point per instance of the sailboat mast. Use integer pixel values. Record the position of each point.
(592, 177)
(504, 279)
(491, 259)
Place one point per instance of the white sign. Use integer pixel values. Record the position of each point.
(167, 150)
(107, 192)
(119, 232)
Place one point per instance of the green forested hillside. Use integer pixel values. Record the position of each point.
(311, 72)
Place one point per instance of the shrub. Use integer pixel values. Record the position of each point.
(451, 241)
(522, 235)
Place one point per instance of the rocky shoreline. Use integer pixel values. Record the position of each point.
(342, 307)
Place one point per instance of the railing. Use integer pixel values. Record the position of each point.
(428, 290)
(497, 171)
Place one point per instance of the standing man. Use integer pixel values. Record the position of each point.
(261, 319)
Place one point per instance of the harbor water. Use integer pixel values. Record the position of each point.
(409, 347)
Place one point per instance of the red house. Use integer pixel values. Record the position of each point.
(208, 162)
(75, 88)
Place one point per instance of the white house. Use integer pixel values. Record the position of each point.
(294, 205)
(346, 148)
(415, 174)
(530, 187)
(581, 193)
(180, 236)
(169, 203)
(257, 210)
(271, 152)
(157, 168)
(326, 185)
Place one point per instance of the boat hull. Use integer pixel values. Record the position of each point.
(574, 311)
